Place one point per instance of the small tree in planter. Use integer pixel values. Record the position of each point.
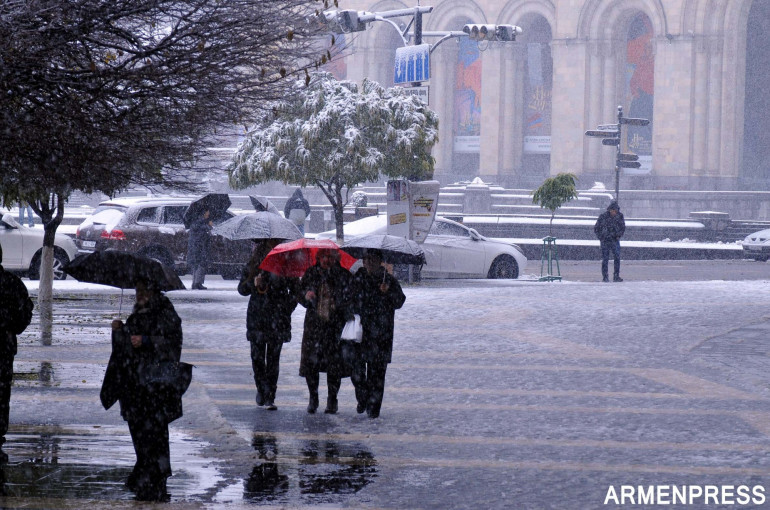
(552, 194)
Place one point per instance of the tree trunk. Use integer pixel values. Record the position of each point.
(45, 209)
(338, 210)
(550, 225)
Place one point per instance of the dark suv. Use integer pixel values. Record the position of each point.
(153, 227)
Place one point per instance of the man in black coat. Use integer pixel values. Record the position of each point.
(15, 315)
(609, 228)
(376, 297)
(297, 209)
(198, 249)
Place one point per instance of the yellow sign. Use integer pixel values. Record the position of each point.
(397, 219)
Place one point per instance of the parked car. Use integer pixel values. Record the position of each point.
(451, 250)
(23, 249)
(757, 245)
(154, 227)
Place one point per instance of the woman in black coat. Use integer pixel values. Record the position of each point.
(198, 249)
(152, 334)
(268, 321)
(376, 295)
(323, 291)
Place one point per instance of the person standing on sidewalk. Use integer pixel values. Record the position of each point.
(268, 321)
(151, 336)
(15, 315)
(376, 295)
(609, 228)
(24, 207)
(198, 249)
(323, 291)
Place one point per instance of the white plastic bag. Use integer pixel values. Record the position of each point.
(353, 330)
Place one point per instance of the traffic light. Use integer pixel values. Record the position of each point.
(481, 32)
(340, 22)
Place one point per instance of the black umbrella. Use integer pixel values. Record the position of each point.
(263, 204)
(394, 249)
(215, 203)
(122, 270)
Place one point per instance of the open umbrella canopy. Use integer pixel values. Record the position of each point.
(294, 258)
(122, 270)
(215, 203)
(261, 203)
(260, 225)
(394, 249)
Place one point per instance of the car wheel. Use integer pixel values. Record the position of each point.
(504, 267)
(60, 259)
(159, 254)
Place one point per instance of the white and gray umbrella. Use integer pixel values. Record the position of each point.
(394, 249)
(260, 225)
(261, 203)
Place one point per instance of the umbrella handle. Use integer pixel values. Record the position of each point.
(120, 306)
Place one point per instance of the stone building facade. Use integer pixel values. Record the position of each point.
(514, 113)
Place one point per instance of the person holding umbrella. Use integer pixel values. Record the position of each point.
(323, 291)
(268, 320)
(198, 248)
(150, 338)
(375, 296)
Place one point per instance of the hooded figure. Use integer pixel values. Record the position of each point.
(15, 315)
(609, 228)
(297, 209)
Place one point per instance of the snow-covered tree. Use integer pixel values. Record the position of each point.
(101, 95)
(335, 134)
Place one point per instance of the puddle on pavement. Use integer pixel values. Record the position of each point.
(307, 472)
(92, 463)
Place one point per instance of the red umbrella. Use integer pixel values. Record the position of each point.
(294, 258)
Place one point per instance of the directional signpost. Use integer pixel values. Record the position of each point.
(611, 135)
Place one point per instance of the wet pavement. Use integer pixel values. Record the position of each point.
(500, 395)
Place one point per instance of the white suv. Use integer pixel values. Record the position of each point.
(23, 249)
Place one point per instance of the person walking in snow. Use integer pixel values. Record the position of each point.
(268, 320)
(376, 295)
(198, 249)
(609, 228)
(323, 291)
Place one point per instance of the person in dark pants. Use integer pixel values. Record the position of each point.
(376, 295)
(152, 334)
(15, 315)
(198, 249)
(323, 291)
(268, 320)
(609, 228)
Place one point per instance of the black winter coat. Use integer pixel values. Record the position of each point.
(320, 338)
(609, 229)
(15, 311)
(198, 242)
(377, 311)
(161, 328)
(268, 317)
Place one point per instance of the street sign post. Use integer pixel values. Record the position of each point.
(611, 135)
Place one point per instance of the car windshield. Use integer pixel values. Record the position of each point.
(443, 228)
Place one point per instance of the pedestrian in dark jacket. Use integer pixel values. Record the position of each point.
(609, 228)
(268, 321)
(152, 335)
(376, 295)
(297, 209)
(323, 290)
(198, 249)
(15, 315)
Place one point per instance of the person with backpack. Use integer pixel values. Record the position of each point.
(297, 209)
(15, 315)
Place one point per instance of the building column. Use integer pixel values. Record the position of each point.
(715, 109)
(610, 56)
(492, 111)
(513, 148)
(442, 102)
(592, 161)
(700, 109)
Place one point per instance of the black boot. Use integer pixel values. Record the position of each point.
(313, 403)
(331, 406)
